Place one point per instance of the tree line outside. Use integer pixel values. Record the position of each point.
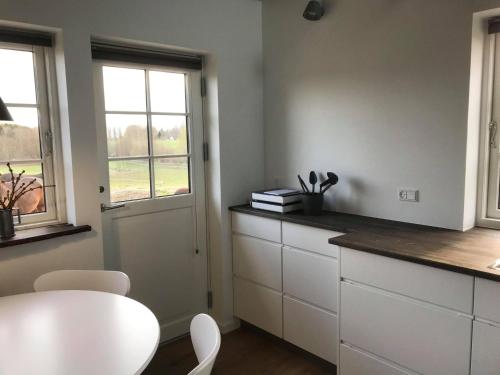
(128, 179)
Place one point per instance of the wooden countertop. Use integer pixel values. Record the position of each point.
(468, 252)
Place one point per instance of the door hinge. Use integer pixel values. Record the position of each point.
(203, 87)
(210, 299)
(205, 151)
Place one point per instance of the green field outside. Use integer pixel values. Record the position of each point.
(130, 179)
(31, 169)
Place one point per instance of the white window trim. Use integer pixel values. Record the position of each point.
(47, 104)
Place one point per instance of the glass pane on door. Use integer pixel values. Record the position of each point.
(169, 135)
(129, 180)
(127, 135)
(168, 92)
(171, 176)
(124, 89)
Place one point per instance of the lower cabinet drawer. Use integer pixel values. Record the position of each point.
(487, 299)
(310, 328)
(310, 277)
(259, 306)
(414, 335)
(485, 349)
(257, 260)
(356, 362)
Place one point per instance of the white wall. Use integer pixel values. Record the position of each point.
(377, 91)
(229, 33)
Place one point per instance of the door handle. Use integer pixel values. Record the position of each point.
(112, 207)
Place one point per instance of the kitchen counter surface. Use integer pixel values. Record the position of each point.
(468, 252)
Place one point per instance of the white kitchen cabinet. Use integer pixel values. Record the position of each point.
(310, 328)
(485, 349)
(440, 287)
(419, 336)
(487, 300)
(310, 277)
(291, 292)
(255, 226)
(257, 260)
(354, 361)
(309, 238)
(259, 306)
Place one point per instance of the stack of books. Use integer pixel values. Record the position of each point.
(277, 200)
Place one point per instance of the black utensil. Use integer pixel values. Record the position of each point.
(332, 180)
(313, 179)
(303, 184)
(332, 177)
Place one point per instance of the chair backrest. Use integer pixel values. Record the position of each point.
(105, 281)
(205, 336)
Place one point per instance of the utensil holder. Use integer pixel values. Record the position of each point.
(312, 203)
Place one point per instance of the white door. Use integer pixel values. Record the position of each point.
(150, 135)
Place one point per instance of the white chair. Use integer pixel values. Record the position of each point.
(105, 281)
(205, 336)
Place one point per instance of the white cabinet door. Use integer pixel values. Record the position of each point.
(415, 335)
(356, 362)
(257, 260)
(310, 277)
(255, 226)
(309, 238)
(310, 328)
(440, 287)
(259, 306)
(487, 299)
(485, 349)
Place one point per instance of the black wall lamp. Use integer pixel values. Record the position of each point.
(4, 112)
(314, 10)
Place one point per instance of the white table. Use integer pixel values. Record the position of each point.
(75, 332)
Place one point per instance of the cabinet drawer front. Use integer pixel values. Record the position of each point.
(255, 226)
(309, 238)
(259, 306)
(257, 260)
(417, 336)
(440, 287)
(356, 362)
(310, 328)
(487, 299)
(485, 349)
(310, 277)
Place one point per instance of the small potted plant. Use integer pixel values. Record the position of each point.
(10, 193)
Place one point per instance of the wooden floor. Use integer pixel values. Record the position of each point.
(246, 351)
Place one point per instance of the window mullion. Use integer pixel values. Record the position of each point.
(149, 121)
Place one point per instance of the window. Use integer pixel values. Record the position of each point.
(146, 116)
(27, 142)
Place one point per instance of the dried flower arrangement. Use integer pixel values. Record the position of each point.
(16, 190)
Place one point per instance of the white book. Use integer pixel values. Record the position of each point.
(280, 196)
(277, 207)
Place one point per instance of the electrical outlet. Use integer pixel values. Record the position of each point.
(408, 195)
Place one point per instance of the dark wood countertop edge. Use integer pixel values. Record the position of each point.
(245, 209)
(424, 261)
(25, 236)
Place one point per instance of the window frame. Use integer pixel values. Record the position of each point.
(101, 112)
(49, 136)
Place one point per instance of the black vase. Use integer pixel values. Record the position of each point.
(6, 224)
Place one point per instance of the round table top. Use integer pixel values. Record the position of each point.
(75, 332)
